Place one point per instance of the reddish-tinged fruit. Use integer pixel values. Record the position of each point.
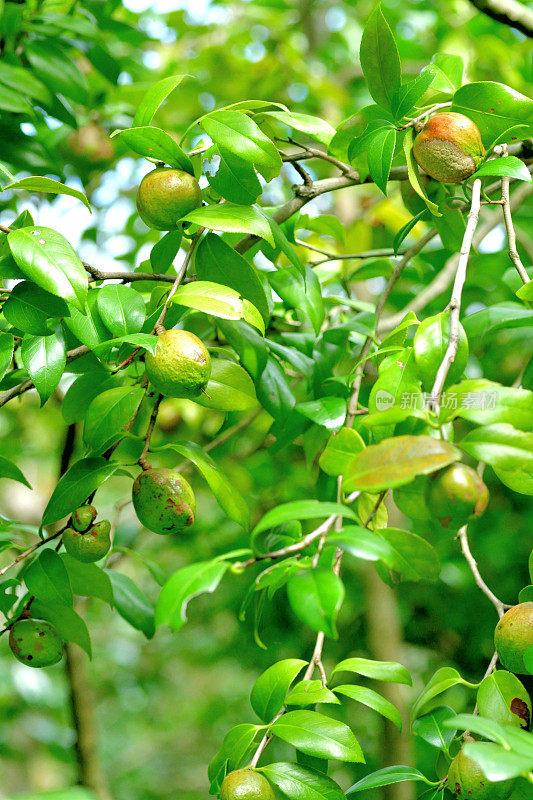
(163, 501)
(35, 643)
(165, 196)
(449, 147)
(455, 495)
(90, 545)
(83, 517)
(467, 781)
(513, 636)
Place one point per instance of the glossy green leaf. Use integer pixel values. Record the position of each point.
(67, 622)
(109, 413)
(372, 699)
(121, 308)
(45, 358)
(29, 308)
(235, 179)
(412, 556)
(300, 783)
(486, 402)
(132, 604)
(494, 108)
(157, 94)
(443, 679)
(7, 344)
(270, 689)
(301, 292)
(318, 735)
(218, 300)
(239, 134)
(314, 127)
(362, 543)
(11, 471)
(156, 145)
(301, 509)
(47, 579)
(88, 580)
(328, 412)
(388, 671)
(75, 486)
(229, 388)
(507, 166)
(380, 60)
(502, 697)
(380, 155)
(431, 729)
(309, 693)
(48, 186)
(497, 762)
(183, 586)
(340, 450)
(316, 597)
(232, 218)
(387, 777)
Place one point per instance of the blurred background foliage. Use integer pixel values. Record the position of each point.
(163, 706)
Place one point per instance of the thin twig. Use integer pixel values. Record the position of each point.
(471, 561)
(511, 235)
(414, 122)
(28, 552)
(153, 417)
(181, 274)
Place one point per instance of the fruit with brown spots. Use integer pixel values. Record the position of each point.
(181, 365)
(90, 545)
(513, 636)
(467, 781)
(165, 195)
(246, 784)
(455, 495)
(449, 147)
(83, 517)
(35, 642)
(163, 501)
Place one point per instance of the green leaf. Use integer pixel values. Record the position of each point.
(232, 218)
(153, 98)
(121, 308)
(380, 60)
(443, 679)
(10, 470)
(75, 486)
(57, 70)
(397, 461)
(229, 388)
(309, 693)
(88, 580)
(413, 557)
(29, 307)
(228, 497)
(373, 700)
(497, 763)
(430, 727)
(239, 134)
(270, 689)
(235, 179)
(328, 412)
(301, 292)
(448, 70)
(14, 102)
(501, 446)
(301, 509)
(316, 597)
(45, 358)
(494, 108)
(67, 622)
(218, 300)
(506, 735)
(387, 777)
(430, 345)
(340, 450)
(409, 94)
(300, 783)
(88, 326)
(183, 586)
(526, 292)
(486, 402)
(218, 263)
(82, 392)
(235, 748)
(156, 145)
(132, 604)
(47, 259)
(48, 580)
(507, 166)
(49, 186)
(501, 696)
(165, 251)
(362, 543)
(380, 155)
(109, 413)
(314, 127)
(23, 80)
(7, 344)
(413, 173)
(388, 671)
(318, 735)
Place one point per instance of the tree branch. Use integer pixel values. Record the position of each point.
(472, 563)
(508, 12)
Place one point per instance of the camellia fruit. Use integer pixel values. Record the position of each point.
(455, 495)
(163, 501)
(90, 545)
(165, 196)
(88, 148)
(467, 781)
(449, 147)
(35, 642)
(513, 636)
(83, 517)
(246, 784)
(181, 365)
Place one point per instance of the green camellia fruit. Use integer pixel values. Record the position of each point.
(467, 781)
(35, 643)
(503, 699)
(430, 345)
(163, 501)
(449, 147)
(83, 517)
(455, 495)
(246, 784)
(90, 545)
(88, 148)
(513, 636)
(181, 365)
(165, 196)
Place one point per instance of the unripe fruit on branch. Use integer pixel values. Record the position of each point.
(165, 196)
(513, 636)
(163, 501)
(467, 781)
(83, 517)
(449, 147)
(88, 546)
(181, 365)
(35, 643)
(88, 148)
(246, 784)
(456, 494)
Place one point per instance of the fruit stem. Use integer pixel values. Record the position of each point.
(179, 277)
